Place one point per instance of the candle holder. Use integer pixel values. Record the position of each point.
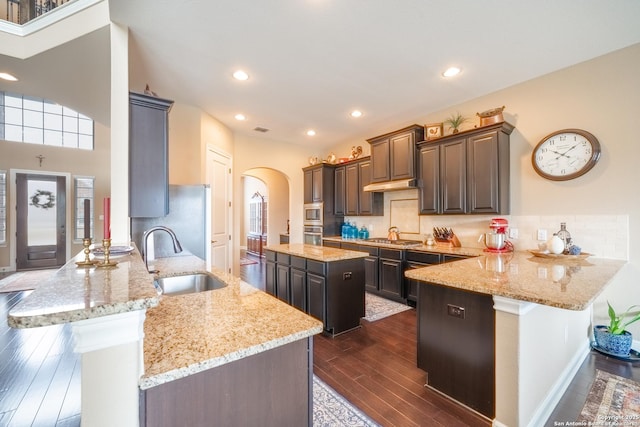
(86, 242)
(106, 244)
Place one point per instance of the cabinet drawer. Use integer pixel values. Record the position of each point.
(331, 244)
(451, 258)
(423, 257)
(390, 253)
(373, 250)
(270, 255)
(350, 246)
(282, 258)
(298, 262)
(315, 267)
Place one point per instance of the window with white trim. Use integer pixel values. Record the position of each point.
(83, 189)
(3, 207)
(38, 121)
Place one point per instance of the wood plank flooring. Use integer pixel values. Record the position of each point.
(373, 367)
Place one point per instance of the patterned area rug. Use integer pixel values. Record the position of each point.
(377, 308)
(332, 410)
(247, 261)
(612, 400)
(25, 280)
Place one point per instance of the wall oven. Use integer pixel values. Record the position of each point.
(312, 235)
(313, 214)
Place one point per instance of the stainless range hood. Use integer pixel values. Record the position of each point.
(400, 184)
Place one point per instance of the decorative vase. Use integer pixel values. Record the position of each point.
(618, 344)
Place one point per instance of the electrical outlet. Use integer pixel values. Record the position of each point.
(542, 234)
(513, 233)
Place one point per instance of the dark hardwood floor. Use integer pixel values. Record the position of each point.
(373, 367)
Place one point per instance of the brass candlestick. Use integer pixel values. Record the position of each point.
(86, 242)
(106, 244)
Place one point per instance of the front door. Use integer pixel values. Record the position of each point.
(40, 221)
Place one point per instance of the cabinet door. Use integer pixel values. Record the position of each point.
(402, 156)
(351, 189)
(316, 297)
(317, 185)
(380, 169)
(148, 156)
(429, 175)
(308, 186)
(339, 191)
(270, 278)
(371, 273)
(282, 282)
(453, 177)
(482, 173)
(299, 289)
(391, 279)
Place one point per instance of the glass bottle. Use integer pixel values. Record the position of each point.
(564, 235)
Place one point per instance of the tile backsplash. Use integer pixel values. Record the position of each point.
(603, 236)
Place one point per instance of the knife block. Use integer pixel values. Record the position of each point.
(452, 242)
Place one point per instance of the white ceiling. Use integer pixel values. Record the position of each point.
(312, 61)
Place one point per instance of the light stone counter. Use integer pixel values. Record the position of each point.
(76, 293)
(187, 334)
(440, 249)
(571, 284)
(317, 253)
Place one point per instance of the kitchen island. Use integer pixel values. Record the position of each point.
(230, 342)
(535, 314)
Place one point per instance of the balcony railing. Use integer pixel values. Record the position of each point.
(23, 11)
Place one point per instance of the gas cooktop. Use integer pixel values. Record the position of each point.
(399, 242)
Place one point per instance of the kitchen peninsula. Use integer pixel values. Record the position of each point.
(527, 306)
(236, 335)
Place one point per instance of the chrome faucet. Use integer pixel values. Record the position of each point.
(145, 238)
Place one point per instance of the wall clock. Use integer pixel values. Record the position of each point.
(565, 154)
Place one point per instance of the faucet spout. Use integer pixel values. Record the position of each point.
(177, 247)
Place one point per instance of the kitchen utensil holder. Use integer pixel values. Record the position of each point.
(451, 242)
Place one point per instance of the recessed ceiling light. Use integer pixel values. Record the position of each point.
(451, 71)
(356, 113)
(240, 75)
(240, 117)
(9, 77)
(311, 132)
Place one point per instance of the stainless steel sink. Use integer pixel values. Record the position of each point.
(188, 284)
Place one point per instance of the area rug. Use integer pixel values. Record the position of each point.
(612, 399)
(25, 280)
(330, 409)
(247, 261)
(377, 308)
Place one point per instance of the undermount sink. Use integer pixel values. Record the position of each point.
(188, 284)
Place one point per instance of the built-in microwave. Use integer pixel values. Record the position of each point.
(313, 214)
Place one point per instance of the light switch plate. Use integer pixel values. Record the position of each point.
(542, 234)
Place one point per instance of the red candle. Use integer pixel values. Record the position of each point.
(87, 219)
(107, 218)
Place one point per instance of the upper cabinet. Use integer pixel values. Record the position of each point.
(350, 198)
(393, 155)
(148, 156)
(466, 173)
(318, 184)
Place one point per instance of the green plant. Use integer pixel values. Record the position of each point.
(455, 120)
(617, 323)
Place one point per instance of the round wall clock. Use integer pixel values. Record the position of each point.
(565, 154)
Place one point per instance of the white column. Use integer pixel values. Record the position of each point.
(112, 363)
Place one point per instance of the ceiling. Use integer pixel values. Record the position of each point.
(311, 62)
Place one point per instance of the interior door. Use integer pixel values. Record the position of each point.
(40, 221)
(219, 180)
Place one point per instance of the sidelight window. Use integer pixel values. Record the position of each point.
(3, 207)
(83, 186)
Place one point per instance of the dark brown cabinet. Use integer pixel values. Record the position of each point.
(318, 184)
(456, 336)
(418, 259)
(393, 155)
(339, 195)
(148, 156)
(352, 189)
(350, 198)
(391, 274)
(465, 173)
(298, 282)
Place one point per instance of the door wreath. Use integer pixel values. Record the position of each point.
(43, 199)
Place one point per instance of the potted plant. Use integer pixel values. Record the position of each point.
(454, 122)
(615, 338)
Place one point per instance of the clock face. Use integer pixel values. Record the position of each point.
(565, 154)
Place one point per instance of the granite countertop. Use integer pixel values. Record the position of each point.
(568, 283)
(76, 293)
(186, 334)
(441, 249)
(317, 253)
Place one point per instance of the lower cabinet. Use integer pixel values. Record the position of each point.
(332, 292)
(417, 259)
(456, 336)
(391, 275)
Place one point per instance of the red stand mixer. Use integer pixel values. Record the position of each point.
(496, 241)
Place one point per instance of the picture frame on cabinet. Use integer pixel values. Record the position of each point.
(433, 131)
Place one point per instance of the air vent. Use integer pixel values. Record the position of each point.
(261, 129)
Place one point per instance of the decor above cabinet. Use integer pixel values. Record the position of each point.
(148, 156)
(393, 159)
(466, 173)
